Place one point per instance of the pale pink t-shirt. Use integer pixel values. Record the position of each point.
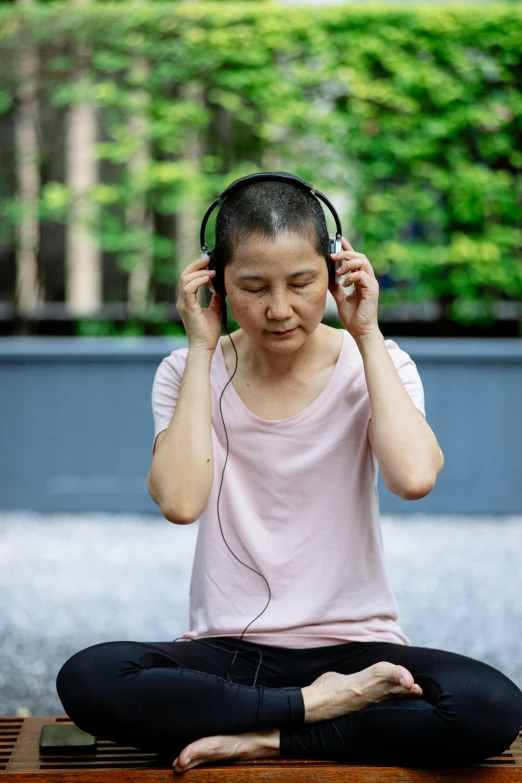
(299, 504)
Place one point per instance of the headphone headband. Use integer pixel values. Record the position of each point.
(263, 176)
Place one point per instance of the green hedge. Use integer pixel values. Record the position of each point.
(414, 112)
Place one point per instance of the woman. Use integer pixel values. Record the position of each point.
(325, 671)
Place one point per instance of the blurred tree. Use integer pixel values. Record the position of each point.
(28, 288)
(83, 268)
(138, 218)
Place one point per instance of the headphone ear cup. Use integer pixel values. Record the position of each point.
(208, 268)
(218, 287)
(214, 283)
(331, 263)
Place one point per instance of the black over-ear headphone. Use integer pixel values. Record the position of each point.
(218, 283)
(218, 286)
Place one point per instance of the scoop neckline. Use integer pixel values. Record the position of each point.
(289, 420)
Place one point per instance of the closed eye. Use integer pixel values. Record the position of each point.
(262, 289)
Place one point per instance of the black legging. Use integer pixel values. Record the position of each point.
(160, 696)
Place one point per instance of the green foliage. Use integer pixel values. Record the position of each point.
(413, 112)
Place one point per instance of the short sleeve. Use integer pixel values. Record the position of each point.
(165, 390)
(408, 373)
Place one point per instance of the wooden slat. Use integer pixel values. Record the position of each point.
(20, 762)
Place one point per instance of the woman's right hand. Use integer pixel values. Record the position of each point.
(203, 325)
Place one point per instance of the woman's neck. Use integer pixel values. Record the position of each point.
(271, 366)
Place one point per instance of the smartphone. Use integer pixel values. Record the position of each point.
(56, 738)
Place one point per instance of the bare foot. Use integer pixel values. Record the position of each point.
(334, 694)
(251, 745)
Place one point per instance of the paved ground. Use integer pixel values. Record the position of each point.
(69, 581)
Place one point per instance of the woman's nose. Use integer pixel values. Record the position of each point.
(279, 308)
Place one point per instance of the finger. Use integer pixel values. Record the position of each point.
(356, 264)
(350, 263)
(354, 277)
(346, 256)
(356, 274)
(198, 273)
(340, 254)
(202, 261)
(362, 277)
(195, 284)
(338, 289)
(351, 255)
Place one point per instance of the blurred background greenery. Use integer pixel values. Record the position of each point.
(117, 130)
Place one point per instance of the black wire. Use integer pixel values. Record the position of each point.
(219, 518)
(221, 529)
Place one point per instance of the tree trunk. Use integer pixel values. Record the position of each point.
(139, 293)
(83, 269)
(188, 221)
(28, 288)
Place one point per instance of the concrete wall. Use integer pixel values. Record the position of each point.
(76, 424)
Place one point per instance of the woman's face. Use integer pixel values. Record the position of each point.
(275, 286)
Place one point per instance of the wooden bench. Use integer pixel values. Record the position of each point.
(21, 762)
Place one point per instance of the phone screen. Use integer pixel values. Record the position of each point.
(66, 739)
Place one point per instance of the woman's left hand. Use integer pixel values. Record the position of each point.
(358, 310)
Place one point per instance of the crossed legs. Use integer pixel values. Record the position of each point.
(163, 696)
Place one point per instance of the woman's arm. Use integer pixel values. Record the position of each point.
(409, 456)
(182, 471)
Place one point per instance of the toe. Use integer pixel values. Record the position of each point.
(204, 749)
(187, 755)
(395, 674)
(399, 681)
(398, 675)
(407, 680)
(404, 677)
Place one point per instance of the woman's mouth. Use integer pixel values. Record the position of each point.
(282, 334)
